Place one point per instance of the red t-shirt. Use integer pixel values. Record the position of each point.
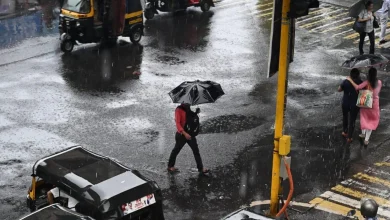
(180, 119)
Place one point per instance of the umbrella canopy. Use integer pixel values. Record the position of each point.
(365, 60)
(196, 92)
(359, 6)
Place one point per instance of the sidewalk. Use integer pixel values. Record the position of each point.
(20, 12)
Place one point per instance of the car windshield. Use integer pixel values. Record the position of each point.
(80, 6)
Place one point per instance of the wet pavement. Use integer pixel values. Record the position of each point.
(96, 98)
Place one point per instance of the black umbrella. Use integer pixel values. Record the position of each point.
(365, 60)
(359, 6)
(196, 92)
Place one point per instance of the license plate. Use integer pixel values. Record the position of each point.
(138, 204)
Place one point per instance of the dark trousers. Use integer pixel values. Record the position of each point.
(180, 142)
(371, 35)
(349, 117)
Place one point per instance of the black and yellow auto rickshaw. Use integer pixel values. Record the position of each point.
(91, 21)
(95, 186)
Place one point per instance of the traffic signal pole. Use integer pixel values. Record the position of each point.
(280, 106)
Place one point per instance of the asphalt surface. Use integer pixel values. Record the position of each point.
(94, 98)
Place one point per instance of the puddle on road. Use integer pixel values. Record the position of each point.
(302, 91)
(170, 60)
(10, 162)
(231, 124)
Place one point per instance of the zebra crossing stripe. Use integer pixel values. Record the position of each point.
(364, 187)
(312, 13)
(387, 164)
(319, 16)
(264, 10)
(340, 26)
(329, 17)
(265, 15)
(350, 202)
(267, 4)
(359, 195)
(322, 20)
(329, 24)
(333, 207)
(343, 32)
(372, 179)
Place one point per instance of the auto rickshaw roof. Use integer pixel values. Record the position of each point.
(55, 212)
(91, 176)
(81, 164)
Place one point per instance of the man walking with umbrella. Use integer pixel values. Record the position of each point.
(186, 134)
(187, 121)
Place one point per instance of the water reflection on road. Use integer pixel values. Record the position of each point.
(102, 69)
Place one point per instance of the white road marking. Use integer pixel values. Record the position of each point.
(350, 202)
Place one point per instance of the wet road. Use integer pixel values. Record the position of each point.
(92, 97)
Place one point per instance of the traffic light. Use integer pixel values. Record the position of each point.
(299, 8)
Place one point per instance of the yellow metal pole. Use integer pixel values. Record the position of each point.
(280, 105)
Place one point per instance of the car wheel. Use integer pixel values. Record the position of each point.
(205, 6)
(136, 35)
(149, 14)
(67, 45)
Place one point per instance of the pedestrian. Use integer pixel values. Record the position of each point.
(369, 117)
(349, 108)
(187, 125)
(367, 16)
(383, 14)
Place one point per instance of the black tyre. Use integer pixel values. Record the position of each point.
(149, 14)
(67, 45)
(136, 35)
(205, 6)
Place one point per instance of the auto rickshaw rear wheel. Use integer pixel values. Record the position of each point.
(67, 45)
(149, 14)
(205, 5)
(136, 35)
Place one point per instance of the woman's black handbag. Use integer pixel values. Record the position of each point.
(375, 24)
(359, 27)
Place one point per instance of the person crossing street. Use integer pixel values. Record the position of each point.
(187, 124)
(383, 14)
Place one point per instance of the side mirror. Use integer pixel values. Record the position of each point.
(351, 213)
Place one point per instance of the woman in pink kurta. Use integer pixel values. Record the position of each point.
(369, 117)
